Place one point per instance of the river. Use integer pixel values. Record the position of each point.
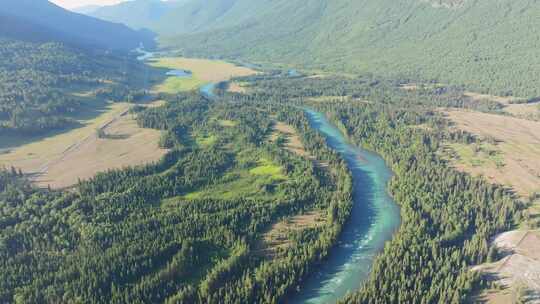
(208, 90)
(374, 219)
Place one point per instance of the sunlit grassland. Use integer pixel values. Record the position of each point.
(203, 71)
(227, 123)
(267, 168)
(205, 140)
(259, 180)
(478, 155)
(174, 85)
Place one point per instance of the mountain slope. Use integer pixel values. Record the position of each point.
(80, 29)
(166, 17)
(483, 44)
(135, 14)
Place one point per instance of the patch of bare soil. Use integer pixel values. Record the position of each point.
(518, 141)
(293, 143)
(278, 236)
(517, 272)
(235, 87)
(416, 86)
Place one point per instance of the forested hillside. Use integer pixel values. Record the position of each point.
(193, 228)
(39, 83)
(166, 17)
(485, 45)
(188, 229)
(447, 216)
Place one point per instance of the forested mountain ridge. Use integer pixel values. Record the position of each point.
(60, 25)
(167, 17)
(485, 45)
(41, 84)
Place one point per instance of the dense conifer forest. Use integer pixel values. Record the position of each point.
(41, 83)
(191, 228)
(249, 200)
(165, 232)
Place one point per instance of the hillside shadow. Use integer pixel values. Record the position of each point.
(91, 107)
(13, 140)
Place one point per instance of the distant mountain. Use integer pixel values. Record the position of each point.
(487, 45)
(167, 17)
(39, 20)
(137, 14)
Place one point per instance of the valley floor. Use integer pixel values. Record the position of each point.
(61, 160)
(507, 154)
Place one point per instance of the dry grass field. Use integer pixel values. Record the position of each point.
(277, 237)
(236, 87)
(510, 157)
(511, 105)
(516, 153)
(514, 106)
(500, 99)
(529, 111)
(293, 143)
(60, 160)
(203, 71)
(518, 268)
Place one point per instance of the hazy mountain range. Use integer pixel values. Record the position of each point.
(40, 20)
(483, 43)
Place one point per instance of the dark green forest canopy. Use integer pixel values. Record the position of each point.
(168, 232)
(447, 216)
(142, 235)
(39, 83)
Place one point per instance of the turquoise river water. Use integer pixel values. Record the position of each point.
(374, 219)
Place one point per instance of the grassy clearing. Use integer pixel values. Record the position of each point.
(234, 185)
(513, 161)
(59, 160)
(206, 140)
(174, 85)
(279, 235)
(505, 100)
(203, 71)
(268, 168)
(477, 155)
(260, 182)
(227, 123)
